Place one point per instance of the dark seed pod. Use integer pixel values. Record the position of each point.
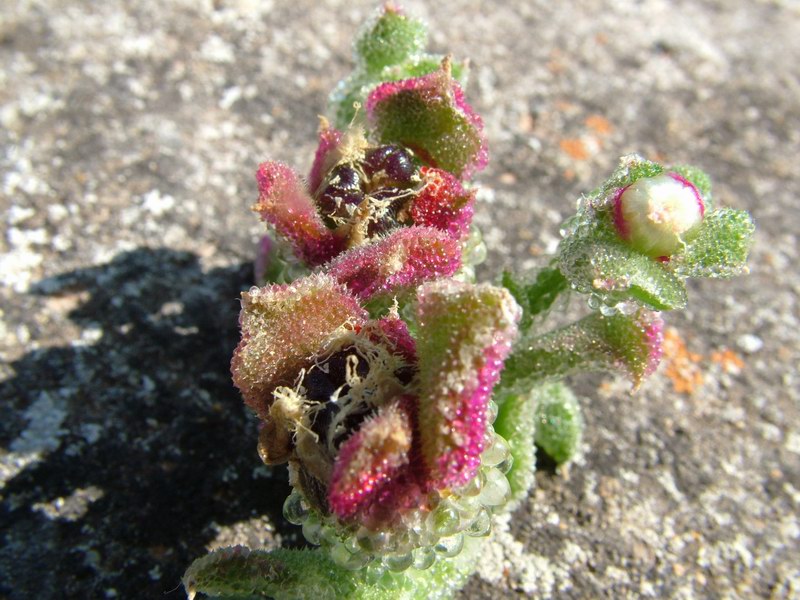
(388, 202)
(393, 161)
(343, 192)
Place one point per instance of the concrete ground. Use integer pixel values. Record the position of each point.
(130, 135)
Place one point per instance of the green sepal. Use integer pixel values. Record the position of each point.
(239, 573)
(559, 424)
(616, 273)
(537, 296)
(719, 247)
(516, 423)
(631, 168)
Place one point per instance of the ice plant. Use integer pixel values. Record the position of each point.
(384, 434)
(409, 401)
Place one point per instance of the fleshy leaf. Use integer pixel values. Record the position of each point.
(282, 327)
(720, 247)
(443, 203)
(515, 422)
(559, 424)
(404, 259)
(285, 203)
(616, 273)
(357, 86)
(430, 115)
(283, 574)
(389, 38)
(535, 297)
(631, 343)
(369, 459)
(465, 333)
(239, 572)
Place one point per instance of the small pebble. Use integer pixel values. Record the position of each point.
(749, 343)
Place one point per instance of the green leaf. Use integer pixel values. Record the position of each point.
(559, 424)
(615, 273)
(516, 423)
(720, 247)
(535, 297)
(240, 573)
(631, 343)
(424, 64)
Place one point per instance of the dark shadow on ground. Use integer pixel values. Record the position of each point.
(152, 422)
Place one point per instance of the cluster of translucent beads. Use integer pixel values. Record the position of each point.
(421, 537)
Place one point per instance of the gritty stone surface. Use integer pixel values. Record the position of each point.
(130, 135)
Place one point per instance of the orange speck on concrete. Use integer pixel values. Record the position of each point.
(575, 148)
(599, 124)
(565, 106)
(680, 365)
(508, 178)
(728, 360)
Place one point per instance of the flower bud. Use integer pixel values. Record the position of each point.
(654, 213)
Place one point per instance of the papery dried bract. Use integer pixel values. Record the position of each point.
(465, 333)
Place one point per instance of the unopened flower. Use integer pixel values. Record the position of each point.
(654, 213)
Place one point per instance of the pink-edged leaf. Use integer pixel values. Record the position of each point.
(443, 203)
(285, 203)
(370, 459)
(404, 259)
(283, 326)
(465, 334)
(430, 115)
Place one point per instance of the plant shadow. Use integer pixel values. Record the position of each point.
(130, 450)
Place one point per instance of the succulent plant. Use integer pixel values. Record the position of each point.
(409, 401)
